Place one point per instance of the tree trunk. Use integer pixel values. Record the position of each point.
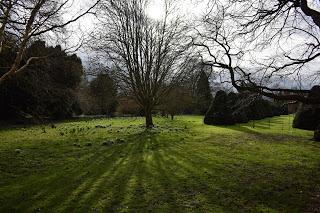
(172, 116)
(317, 134)
(149, 122)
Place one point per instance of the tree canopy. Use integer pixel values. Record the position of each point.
(48, 87)
(267, 47)
(148, 55)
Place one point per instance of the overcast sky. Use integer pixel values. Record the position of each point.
(189, 9)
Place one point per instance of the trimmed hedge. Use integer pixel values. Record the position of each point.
(228, 109)
(308, 116)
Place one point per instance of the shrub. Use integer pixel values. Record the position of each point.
(239, 108)
(308, 116)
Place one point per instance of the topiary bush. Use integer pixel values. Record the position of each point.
(308, 116)
(239, 108)
(219, 111)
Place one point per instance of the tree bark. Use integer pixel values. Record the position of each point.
(149, 122)
(317, 134)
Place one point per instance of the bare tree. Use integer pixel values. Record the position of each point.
(259, 43)
(25, 20)
(148, 54)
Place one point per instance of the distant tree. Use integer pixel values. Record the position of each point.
(128, 106)
(85, 98)
(193, 94)
(104, 92)
(48, 87)
(179, 100)
(203, 93)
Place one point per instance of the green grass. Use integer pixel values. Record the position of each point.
(180, 166)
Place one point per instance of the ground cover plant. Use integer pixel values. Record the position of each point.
(182, 165)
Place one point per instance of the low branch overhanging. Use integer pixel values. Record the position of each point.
(249, 85)
(315, 15)
(282, 19)
(253, 26)
(7, 75)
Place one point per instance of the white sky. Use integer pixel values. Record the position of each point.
(189, 9)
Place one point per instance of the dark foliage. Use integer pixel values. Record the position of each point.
(178, 101)
(308, 116)
(203, 94)
(46, 89)
(220, 111)
(227, 109)
(104, 92)
(317, 134)
(127, 106)
(191, 96)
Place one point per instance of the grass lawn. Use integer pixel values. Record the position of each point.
(180, 166)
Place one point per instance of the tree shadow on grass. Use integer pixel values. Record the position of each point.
(65, 187)
(232, 186)
(276, 134)
(152, 172)
(106, 178)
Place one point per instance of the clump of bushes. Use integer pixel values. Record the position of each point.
(228, 109)
(308, 116)
(220, 111)
(47, 88)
